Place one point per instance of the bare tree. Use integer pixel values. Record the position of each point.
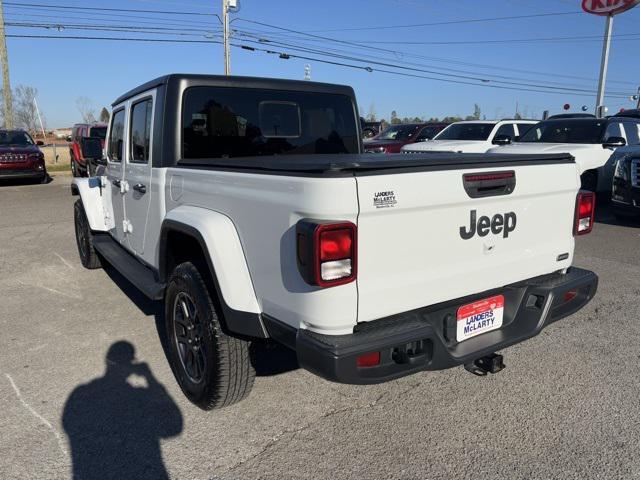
(86, 109)
(371, 116)
(104, 115)
(24, 108)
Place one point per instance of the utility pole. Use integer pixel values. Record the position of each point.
(606, 47)
(225, 33)
(6, 84)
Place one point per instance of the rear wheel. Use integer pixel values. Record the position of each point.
(84, 238)
(213, 369)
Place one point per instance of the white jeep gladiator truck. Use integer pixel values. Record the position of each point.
(246, 205)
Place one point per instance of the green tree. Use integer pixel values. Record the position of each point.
(394, 118)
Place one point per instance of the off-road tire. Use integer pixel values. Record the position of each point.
(84, 238)
(227, 373)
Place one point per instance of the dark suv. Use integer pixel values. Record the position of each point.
(20, 156)
(625, 197)
(80, 166)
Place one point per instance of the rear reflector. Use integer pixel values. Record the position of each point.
(368, 360)
(570, 295)
(585, 212)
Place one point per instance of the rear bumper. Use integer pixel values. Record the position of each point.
(424, 339)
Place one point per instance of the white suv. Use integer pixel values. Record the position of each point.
(476, 136)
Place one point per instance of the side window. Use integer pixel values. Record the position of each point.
(613, 130)
(506, 129)
(116, 137)
(427, 133)
(140, 135)
(632, 131)
(523, 128)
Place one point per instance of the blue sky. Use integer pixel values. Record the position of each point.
(63, 70)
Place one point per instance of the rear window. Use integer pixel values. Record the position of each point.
(220, 122)
(98, 132)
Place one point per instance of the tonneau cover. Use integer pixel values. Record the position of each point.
(363, 163)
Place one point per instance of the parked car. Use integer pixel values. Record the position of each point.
(369, 129)
(20, 157)
(80, 167)
(396, 136)
(570, 115)
(590, 140)
(245, 205)
(625, 195)
(473, 136)
(631, 113)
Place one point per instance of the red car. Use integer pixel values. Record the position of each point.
(396, 136)
(20, 157)
(79, 165)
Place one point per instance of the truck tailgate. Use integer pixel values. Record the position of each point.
(424, 239)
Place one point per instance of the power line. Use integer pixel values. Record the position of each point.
(451, 22)
(104, 9)
(284, 55)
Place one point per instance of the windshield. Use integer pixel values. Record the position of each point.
(466, 131)
(15, 139)
(566, 131)
(397, 132)
(98, 132)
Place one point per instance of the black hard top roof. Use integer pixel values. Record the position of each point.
(233, 81)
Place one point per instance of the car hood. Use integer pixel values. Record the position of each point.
(381, 143)
(464, 146)
(587, 155)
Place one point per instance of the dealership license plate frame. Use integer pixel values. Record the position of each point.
(488, 313)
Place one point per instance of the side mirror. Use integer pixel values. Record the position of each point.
(40, 143)
(502, 140)
(614, 142)
(68, 138)
(92, 149)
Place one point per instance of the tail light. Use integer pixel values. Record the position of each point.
(585, 212)
(326, 252)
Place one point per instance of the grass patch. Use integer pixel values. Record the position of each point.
(60, 167)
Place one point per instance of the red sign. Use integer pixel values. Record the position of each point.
(608, 7)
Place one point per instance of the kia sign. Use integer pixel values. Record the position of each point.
(608, 7)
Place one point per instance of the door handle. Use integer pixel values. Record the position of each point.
(138, 187)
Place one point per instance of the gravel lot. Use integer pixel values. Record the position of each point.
(565, 407)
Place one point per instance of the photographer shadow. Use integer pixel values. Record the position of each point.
(115, 422)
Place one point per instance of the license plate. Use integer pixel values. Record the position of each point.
(479, 317)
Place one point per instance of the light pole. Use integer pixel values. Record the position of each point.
(6, 84)
(225, 33)
(606, 48)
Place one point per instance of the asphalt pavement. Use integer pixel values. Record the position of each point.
(84, 381)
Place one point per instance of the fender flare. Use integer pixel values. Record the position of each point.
(220, 243)
(92, 200)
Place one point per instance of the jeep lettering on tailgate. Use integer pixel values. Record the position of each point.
(504, 224)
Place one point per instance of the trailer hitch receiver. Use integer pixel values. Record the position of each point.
(492, 363)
